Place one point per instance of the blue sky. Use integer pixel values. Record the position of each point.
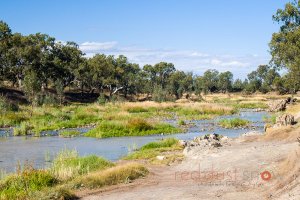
(195, 35)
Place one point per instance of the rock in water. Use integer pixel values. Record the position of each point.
(285, 120)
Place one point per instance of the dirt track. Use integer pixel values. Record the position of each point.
(230, 172)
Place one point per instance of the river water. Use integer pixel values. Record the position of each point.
(38, 150)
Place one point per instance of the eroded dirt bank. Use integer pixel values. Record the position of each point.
(253, 167)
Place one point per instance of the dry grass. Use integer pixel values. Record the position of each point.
(289, 133)
(287, 173)
(112, 176)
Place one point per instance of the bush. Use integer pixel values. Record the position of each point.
(161, 95)
(5, 105)
(48, 99)
(102, 99)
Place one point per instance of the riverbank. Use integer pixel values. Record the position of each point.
(230, 172)
(250, 167)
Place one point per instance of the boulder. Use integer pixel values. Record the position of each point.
(279, 105)
(285, 120)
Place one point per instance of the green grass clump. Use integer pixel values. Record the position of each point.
(131, 127)
(233, 123)
(181, 122)
(251, 105)
(136, 109)
(153, 149)
(23, 184)
(115, 175)
(169, 142)
(23, 129)
(68, 164)
(69, 133)
(12, 118)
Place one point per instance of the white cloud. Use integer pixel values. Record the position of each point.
(93, 47)
(194, 61)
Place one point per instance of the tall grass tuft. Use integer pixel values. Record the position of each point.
(25, 182)
(233, 123)
(68, 164)
(23, 129)
(112, 176)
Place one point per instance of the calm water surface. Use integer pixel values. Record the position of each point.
(36, 150)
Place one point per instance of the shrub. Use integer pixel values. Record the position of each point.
(5, 105)
(102, 99)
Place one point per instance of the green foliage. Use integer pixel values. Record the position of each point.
(6, 106)
(102, 99)
(12, 119)
(68, 164)
(284, 45)
(251, 105)
(181, 122)
(233, 123)
(153, 149)
(23, 129)
(32, 86)
(24, 183)
(160, 95)
(169, 142)
(132, 127)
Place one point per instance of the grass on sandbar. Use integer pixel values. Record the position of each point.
(233, 123)
(131, 127)
(153, 149)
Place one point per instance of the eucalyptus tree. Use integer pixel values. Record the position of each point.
(225, 80)
(284, 46)
(210, 81)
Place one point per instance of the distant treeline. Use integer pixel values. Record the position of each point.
(36, 62)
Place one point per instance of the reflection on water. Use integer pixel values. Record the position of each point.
(38, 149)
